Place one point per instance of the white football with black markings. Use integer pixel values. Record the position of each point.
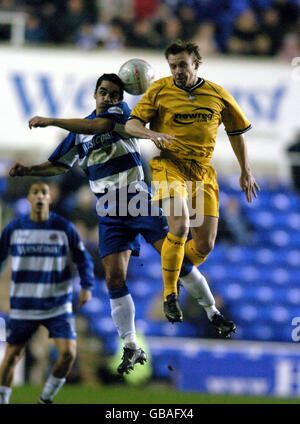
(137, 75)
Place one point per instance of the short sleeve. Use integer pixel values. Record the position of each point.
(116, 113)
(146, 108)
(233, 118)
(66, 152)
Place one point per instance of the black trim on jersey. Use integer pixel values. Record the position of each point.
(197, 85)
(238, 132)
(135, 117)
(157, 94)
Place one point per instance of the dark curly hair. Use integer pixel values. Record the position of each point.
(114, 79)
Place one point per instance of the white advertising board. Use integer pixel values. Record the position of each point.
(52, 82)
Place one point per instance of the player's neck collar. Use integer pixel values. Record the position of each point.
(197, 85)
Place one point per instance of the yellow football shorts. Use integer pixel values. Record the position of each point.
(186, 178)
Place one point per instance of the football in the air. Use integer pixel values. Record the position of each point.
(137, 75)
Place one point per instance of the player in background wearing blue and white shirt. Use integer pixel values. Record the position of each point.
(43, 247)
(111, 160)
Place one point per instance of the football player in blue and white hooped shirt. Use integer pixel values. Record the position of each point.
(43, 247)
(112, 163)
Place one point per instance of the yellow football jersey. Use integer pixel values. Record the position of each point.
(191, 115)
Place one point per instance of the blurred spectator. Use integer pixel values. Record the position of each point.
(74, 17)
(246, 27)
(8, 5)
(205, 38)
(86, 37)
(35, 31)
(271, 28)
(84, 209)
(143, 35)
(145, 9)
(115, 37)
(172, 30)
(244, 34)
(58, 203)
(288, 13)
(50, 15)
(290, 47)
(189, 22)
(109, 10)
(233, 227)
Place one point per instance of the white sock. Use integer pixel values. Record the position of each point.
(5, 393)
(195, 283)
(52, 387)
(123, 314)
(130, 341)
(211, 311)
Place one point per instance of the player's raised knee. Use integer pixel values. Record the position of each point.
(205, 246)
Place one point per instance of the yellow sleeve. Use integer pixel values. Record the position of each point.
(147, 106)
(233, 118)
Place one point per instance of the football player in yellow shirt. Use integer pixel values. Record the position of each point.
(184, 112)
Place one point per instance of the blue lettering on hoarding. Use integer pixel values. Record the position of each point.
(45, 93)
(276, 101)
(83, 95)
(257, 103)
(261, 104)
(26, 104)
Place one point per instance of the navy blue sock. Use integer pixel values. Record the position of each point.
(186, 268)
(122, 291)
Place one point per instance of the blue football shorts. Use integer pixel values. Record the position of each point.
(60, 327)
(119, 233)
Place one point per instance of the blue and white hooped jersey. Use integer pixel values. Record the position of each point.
(43, 257)
(109, 161)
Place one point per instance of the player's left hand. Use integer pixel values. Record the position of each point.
(249, 185)
(39, 121)
(84, 297)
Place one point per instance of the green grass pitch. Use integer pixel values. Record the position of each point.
(80, 394)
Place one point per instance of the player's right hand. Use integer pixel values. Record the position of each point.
(162, 141)
(39, 121)
(17, 170)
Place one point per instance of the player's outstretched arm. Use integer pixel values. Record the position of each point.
(78, 126)
(45, 169)
(247, 180)
(136, 128)
(85, 296)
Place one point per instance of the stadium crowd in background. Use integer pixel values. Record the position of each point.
(246, 27)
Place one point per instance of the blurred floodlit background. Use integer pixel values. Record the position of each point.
(51, 54)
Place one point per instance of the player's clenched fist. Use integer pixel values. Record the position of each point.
(17, 170)
(39, 121)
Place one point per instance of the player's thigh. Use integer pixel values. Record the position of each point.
(167, 179)
(205, 235)
(177, 214)
(66, 348)
(158, 245)
(115, 267)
